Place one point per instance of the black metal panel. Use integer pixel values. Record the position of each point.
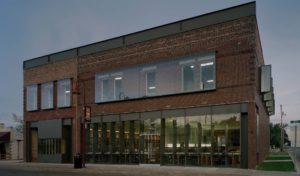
(110, 118)
(131, 116)
(152, 33)
(219, 16)
(224, 109)
(151, 115)
(63, 55)
(101, 46)
(244, 140)
(35, 62)
(50, 129)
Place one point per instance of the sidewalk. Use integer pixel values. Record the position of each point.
(139, 170)
(295, 160)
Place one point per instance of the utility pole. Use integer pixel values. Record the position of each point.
(281, 129)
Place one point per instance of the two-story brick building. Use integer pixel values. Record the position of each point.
(195, 92)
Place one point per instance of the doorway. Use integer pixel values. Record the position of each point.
(151, 148)
(34, 144)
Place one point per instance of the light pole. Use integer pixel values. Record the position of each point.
(86, 117)
(281, 129)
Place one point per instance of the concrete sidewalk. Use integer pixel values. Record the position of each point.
(138, 170)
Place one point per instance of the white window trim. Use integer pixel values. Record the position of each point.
(149, 69)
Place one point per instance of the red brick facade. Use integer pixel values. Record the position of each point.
(238, 58)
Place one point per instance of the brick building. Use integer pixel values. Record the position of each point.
(195, 92)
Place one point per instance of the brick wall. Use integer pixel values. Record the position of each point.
(238, 57)
(234, 42)
(46, 73)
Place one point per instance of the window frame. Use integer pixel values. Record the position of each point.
(205, 61)
(49, 95)
(146, 78)
(35, 103)
(60, 83)
(183, 64)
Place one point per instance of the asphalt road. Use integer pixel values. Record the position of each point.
(15, 171)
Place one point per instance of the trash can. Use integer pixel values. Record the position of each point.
(77, 161)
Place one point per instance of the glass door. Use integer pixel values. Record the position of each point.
(150, 138)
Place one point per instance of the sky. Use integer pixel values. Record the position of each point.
(33, 28)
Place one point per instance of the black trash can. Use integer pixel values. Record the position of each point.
(77, 161)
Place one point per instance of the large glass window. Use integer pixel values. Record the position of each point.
(226, 139)
(188, 77)
(173, 76)
(105, 90)
(47, 95)
(118, 88)
(207, 70)
(64, 93)
(31, 94)
(150, 83)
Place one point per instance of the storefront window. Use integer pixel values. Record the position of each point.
(226, 139)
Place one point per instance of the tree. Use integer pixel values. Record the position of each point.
(275, 135)
(19, 123)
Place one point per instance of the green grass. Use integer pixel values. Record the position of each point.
(276, 166)
(278, 158)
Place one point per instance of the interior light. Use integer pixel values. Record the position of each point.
(207, 64)
(209, 81)
(152, 87)
(118, 78)
(67, 91)
(192, 66)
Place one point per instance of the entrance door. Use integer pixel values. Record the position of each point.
(151, 148)
(34, 145)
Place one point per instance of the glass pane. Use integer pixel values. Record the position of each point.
(207, 75)
(64, 93)
(188, 77)
(47, 95)
(151, 141)
(31, 94)
(151, 86)
(105, 90)
(226, 139)
(119, 94)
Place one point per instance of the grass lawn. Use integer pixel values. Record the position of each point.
(277, 166)
(278, 158)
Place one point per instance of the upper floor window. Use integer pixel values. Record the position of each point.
(207, 74)
(173, 76)
(188, 77)
(150, 83)
(64, 93)
(31, 95)
(47, 95)
(105, 93)
(118, 88)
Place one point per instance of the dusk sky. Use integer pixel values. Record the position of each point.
(33, 28)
